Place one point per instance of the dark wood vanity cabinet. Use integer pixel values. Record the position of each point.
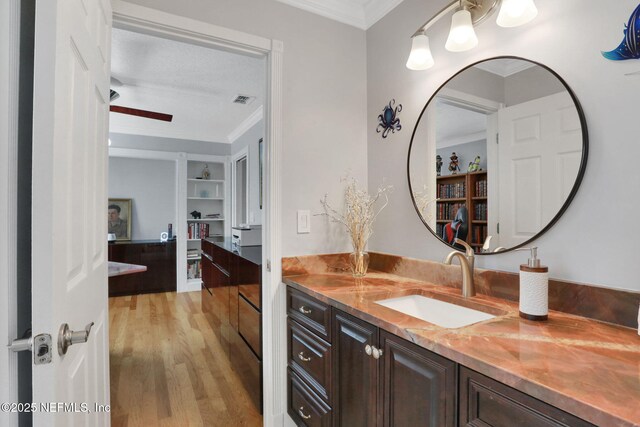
(418, 386)
(355, 373)
(486, 402)
(405, 385)
(399, 384)
(346, 372)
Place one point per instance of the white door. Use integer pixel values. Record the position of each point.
(540, 150)
(70, 125)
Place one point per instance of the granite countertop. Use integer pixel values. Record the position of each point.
(252, 254)
(120, 268)
(585, 367)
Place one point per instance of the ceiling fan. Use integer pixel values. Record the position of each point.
(134, 111)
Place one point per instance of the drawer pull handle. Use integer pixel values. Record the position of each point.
(304, 359)
(304, 310)
(304, 417)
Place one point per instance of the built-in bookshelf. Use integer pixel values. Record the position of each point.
(205, 211)
(466, 189)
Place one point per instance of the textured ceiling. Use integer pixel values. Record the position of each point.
(358, 13)
(195, 84)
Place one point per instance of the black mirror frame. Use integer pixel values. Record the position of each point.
(581, 171)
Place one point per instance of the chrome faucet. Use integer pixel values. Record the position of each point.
(467, 260)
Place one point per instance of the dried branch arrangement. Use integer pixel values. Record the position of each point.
(360, 212)
(423, 200)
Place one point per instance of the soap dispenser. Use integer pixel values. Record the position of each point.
(534, 288)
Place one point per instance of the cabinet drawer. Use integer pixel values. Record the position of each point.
(249, 325)
(309, 312)
(221, 258)
(486, 402)
(304, 406)
(310, 358)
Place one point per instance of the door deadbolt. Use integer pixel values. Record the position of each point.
(67, 337)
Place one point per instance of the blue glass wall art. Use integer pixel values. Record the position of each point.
(630, 46)
(388, 121)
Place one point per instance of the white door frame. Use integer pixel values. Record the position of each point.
(9, 79)
(244, 153)
(154, 22)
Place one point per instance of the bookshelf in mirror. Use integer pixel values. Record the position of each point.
(467, 190)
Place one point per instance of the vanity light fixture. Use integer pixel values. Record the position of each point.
(462, 36)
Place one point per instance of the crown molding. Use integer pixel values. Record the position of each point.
(352, 12)
(247, 124)
(375, 10)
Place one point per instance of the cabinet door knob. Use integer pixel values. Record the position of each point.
(377, 353)
(302, 414)
(304, 310)
(368, 349)
(304, 359)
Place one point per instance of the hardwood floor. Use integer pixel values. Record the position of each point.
(167, 366)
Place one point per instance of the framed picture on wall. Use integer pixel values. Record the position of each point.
(119, 218)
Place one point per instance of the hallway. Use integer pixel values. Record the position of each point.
(164, 369)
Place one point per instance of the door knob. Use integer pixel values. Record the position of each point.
(67, 337)
(368, 349)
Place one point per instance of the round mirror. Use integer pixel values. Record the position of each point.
(497, 155)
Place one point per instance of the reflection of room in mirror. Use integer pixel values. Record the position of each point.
(518, 137)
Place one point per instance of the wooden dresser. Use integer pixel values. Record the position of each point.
(232, 302)
(160, 260)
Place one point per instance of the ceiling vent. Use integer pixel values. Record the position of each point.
(243, 99)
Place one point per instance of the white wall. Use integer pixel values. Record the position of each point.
(152, 186)
(251, 140)
(324, 98)
(595, 239)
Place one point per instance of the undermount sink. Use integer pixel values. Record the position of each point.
(435, 311)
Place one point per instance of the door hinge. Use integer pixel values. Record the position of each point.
(40, 346)
(269, 265)
(497, 138)
(498, 231)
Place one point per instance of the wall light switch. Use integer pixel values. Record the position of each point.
(304, 222)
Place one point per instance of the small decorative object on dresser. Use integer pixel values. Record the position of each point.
(359, 215)
(119, 218)
(196, 214)
(388, 120)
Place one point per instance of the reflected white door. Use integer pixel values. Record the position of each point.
(539, 155)
(70, 125)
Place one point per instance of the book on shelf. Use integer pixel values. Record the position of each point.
(480, 212)
(446, 211)
(481, 188)
(452, 191)
(194, 270)
(198, 231)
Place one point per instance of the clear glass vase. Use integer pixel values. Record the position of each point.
(359, 263)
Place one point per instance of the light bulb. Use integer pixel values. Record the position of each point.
(462, 36)
(420, 57)
(514, 13)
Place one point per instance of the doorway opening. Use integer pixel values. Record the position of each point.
(185, 331)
